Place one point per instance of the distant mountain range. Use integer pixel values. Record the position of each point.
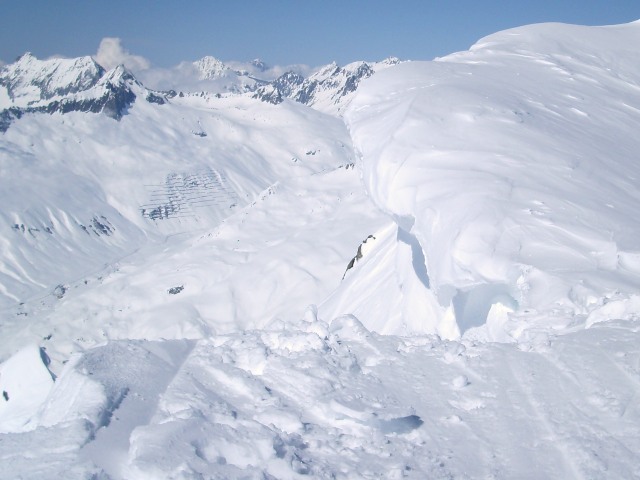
(328, 90)
(81, 84)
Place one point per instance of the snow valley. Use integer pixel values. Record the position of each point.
(383, 270)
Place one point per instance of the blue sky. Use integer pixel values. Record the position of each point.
(281, 31)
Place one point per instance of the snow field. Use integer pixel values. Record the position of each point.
(259, 265)
(25, 382)
(63, 171)
(339, 401)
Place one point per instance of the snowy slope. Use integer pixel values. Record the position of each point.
(82, 190)
(337, 401)
(217, 296)
(263, 264)
(513, 168)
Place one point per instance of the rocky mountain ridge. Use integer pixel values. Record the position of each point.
(68, 85)
(329, 89)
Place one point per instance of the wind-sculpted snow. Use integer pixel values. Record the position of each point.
(334, 400)
(514, 167)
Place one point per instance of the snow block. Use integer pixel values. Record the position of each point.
(25, 382)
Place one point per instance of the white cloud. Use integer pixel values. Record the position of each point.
(111, 53)
(271, 72)
(187, 77)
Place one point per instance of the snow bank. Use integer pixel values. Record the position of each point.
(514, 167)
(25, 382)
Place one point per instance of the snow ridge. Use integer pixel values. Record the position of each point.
(515, 177)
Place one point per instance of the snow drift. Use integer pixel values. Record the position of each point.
(514, 168)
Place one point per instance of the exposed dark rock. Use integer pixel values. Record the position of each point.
(102, 226)
(358, 256)
(282, 87)
(176, 290)
(155, 98)
(59, 291)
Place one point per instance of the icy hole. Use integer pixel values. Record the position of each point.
(398, 425)
(475, 307)
(418, 260)
(482, 304)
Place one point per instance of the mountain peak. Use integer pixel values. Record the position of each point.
(118, 75)
(329, 90)
(259, 64)
(391, 61)
(329, 69)
(25, 57)
(211, 68)
(30, 80)
(66, 85)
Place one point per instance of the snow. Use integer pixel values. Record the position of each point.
(460, 303)
(54, 77)
(512, 173)
(25, 382)
(351, 404)
(112, 172)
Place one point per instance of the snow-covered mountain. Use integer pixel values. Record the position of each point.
(29, 80)
(244, 78)
(209, 75)
(211, 68)
(168, 167)
(441, 285)
(329, 90)
(67, 85)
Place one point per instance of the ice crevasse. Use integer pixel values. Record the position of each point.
(511, 174)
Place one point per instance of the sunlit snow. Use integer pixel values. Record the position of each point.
(443, 284)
